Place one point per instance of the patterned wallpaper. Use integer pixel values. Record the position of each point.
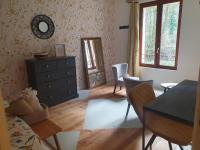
(73, 19)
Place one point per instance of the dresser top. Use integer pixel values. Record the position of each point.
(49, 58)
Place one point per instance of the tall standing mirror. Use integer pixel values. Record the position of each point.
(93, 61)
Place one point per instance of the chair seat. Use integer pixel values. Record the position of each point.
(121, 80)
(133, 78)
(130, 77)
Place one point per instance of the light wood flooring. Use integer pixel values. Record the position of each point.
(70, 116)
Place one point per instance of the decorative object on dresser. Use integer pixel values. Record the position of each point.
(93, 60)
(54, 79)
(41, 55)
(60, 50)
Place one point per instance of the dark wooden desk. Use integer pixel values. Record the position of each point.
(173, 110)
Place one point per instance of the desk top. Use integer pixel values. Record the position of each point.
(178, 103)
(45, 129)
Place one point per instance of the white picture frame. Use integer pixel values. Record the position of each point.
(60, 50)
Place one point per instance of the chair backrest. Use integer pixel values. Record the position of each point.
(196, 131)
(139, 96)
(131, 83)
(119, 70)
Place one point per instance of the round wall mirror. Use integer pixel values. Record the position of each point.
(42, 26)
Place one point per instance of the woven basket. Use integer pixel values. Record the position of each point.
(37, 116)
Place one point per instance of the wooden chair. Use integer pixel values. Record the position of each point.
(129, 83)
(143, 94)
(196, 131)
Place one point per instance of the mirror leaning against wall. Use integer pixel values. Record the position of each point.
(93, 61)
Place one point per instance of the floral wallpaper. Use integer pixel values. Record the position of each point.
(73, 19)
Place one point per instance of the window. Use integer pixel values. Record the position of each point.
(159, 33)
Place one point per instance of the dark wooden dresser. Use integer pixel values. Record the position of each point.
(53, 78)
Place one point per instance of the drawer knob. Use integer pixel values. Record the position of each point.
(49, 86)
(50, 97)
(68, 73)
(48, 76)
(47, 66)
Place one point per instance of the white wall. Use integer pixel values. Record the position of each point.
(189, 52)
(122, 12)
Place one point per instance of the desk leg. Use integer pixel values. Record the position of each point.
(56, 141)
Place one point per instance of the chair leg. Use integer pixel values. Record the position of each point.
(181, 147)
(120, 87)
(143, 137)
(170, 145)
(56, 141)
(114, 89)
(127, 110)
(151, 141)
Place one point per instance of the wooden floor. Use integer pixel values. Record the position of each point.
(70, 116)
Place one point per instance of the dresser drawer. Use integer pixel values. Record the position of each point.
(72, 91)
(53, 97)
(61, 64)
(50, 76)
(71, 82)
(45, 66)
(68, 62)
(54, 85)
(49, 100)
(56, 96)
(70, 72)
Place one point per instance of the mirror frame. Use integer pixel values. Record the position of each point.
(87, 81)
(36, 30)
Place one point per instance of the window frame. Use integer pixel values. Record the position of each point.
(159, 5)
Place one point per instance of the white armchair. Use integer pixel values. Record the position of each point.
(119, 71)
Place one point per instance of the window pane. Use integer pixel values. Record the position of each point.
(169, 29)
(149, 34)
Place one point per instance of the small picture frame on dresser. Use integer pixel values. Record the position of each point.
(60, 50)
